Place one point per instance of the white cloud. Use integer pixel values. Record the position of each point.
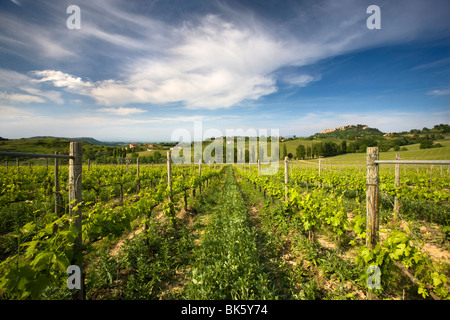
(50, 95)
(439, 92)
(20, 88)
(20, 98)
(121, 111)
(10, 112)
(300, 80)
(61, 79)
(210, 61)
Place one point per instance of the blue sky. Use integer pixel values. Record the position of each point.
(138, 70)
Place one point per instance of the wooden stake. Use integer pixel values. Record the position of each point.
(200, 175)
(138, 187)
(320, 166)
(397, 185)
(57, 194)
(75, 199)
(372, 222)
(286, 179)
(169, 174)
(431, 175)
(372, 192)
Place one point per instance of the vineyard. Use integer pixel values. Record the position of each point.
(214, 232)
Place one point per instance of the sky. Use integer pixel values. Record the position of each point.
(140, 70)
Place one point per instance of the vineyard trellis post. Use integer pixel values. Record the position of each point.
(56, 181)
(75, 199)
(372, 191)
(372, 179)
(397, 185)
(286, 178)
(431, 175)
(320, 166)
(138, 186)
(169, 174)
(200, 176)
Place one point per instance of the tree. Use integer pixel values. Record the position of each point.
(363, 148)
(300, 151)
(157, 156)
(384, 146)
(284, 151)
(329, 149)
(344, 146)
(318, 149)
(426, 144)
(351, 147)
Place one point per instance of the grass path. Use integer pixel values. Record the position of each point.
(226, 264)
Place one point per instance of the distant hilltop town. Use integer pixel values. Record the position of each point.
(344, 128)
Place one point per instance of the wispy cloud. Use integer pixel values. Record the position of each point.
(212, 61)
(20, 88)
(20, 98)
(62, 80)
(301, 80)
(121, 111)
(212, 57)
(10, 112)
(435, 64)
(439, 92)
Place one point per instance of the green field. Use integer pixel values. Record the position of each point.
(359, 159)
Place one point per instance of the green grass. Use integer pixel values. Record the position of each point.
(40, 145)
(413, 153)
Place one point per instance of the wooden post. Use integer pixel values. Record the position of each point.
(138, 187)
(286, 179)
(57, 194)
(320, 166)
(17, 164)
(200, 176)
(372, 224)
(431, 175)
(137, 167)
(169, 174)
(75, 198)
(397, 185)
(259, 167)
